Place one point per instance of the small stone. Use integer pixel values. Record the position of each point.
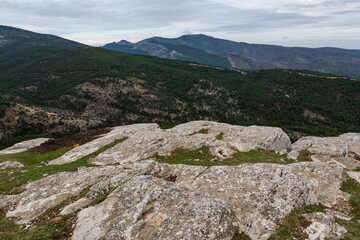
(44, 175)
(354, 175)
(293, 155)
(11, 164)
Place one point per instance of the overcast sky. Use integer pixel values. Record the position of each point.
(310, 23)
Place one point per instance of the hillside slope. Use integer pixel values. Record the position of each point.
(56, 90)
(240, 55)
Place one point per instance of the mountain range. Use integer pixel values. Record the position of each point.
(240, 55)
(50, 85)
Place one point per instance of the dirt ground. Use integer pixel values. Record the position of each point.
(70, 141)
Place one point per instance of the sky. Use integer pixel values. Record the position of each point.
(307, 23)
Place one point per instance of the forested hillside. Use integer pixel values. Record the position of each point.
(115, 88)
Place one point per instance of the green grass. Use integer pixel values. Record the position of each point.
(219, 136)
(46, 226)
(352, 226)
(11, 179)
(29, 158)
(285, 231)
(202, 131)
(203, 157)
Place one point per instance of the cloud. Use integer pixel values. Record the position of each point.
(103, 21)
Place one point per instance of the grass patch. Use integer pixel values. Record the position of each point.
(203, 157)
(164, 127)
(353, 226)
(29, 158)
(357, 170)
(11, 179)
(240, 236)
(219, 136)
(294, 223)
(202, 131)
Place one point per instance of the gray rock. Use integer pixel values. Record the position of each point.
(260, 194)
(10, 164)
(145, 143)
(82, 202)
(25, 145)
(346, 162)
(323, 226)
(52, 190)
(151, 208)
(117, 133)
(354, 175)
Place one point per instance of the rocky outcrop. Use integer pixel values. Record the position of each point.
(260, 194)
(23, 146)
(151, 208)
(144, 140)
(52, 190)
(117, 133)
(10, 164)
(146, 199)
(341, 146)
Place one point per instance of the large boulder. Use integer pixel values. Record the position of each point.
(147, 207)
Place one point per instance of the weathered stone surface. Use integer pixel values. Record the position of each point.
(82, 202)
(354, 175)
(260, 194)
(335, 146)
(52, 190)
(338, 214)
(90, 147)
(323, 226)
(293, 155)
(328, 145)
(346, 162)
(143, 144)
(162, 201)
(353, 141)
(25, 145)
(151, 208)
(10, 164)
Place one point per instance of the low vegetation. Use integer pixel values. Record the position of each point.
(203, 157)
(352, 226)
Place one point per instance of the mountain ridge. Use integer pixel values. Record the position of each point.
(246, 56)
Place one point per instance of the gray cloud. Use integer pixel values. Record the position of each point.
(104, 21)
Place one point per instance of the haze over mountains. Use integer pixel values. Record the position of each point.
(51, 85)
(239, 55)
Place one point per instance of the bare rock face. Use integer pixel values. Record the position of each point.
(260, 194)
(151, 200)
(353, 141)
(145, 143)
(335, 146)
(117, 133)
(345, 162)
(328, 146)
(151, 208)
(323, 226)
(25, 145)
(75, 206)
(52, 190)
(10, 164)
(354, 175)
